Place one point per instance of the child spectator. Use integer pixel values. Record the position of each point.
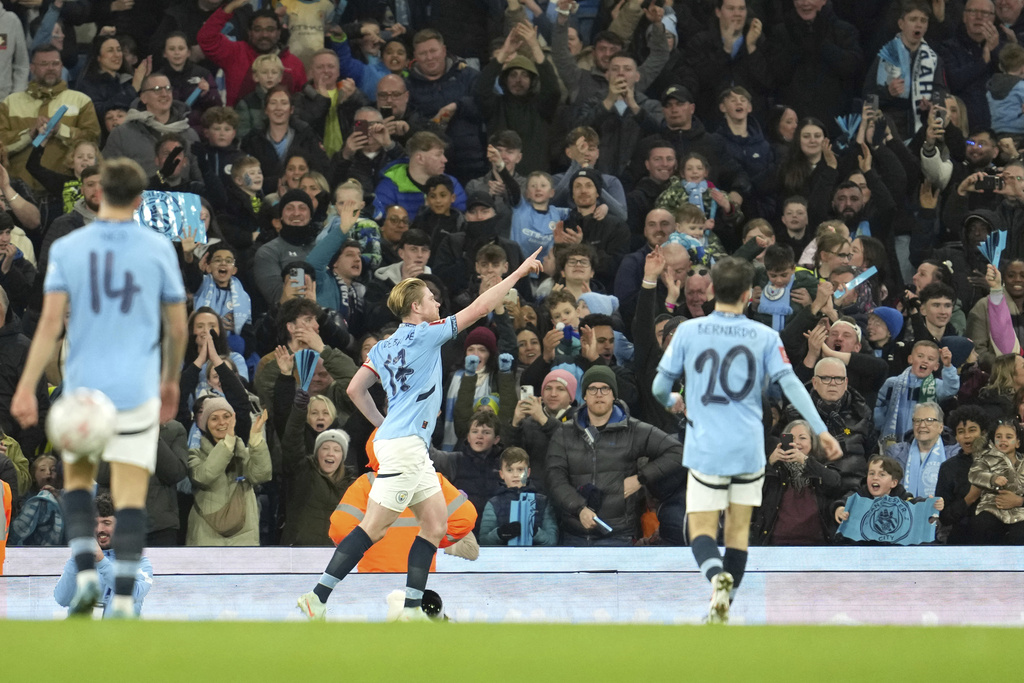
(917, 384)
(883, 331)
(776, 307)
(692, 231)
(221, 291)
(1005, 91)
(883, 479)
(518, 516)
(533, 218)
(998, 471)
(537, 417)
(480, 374)
(694, 188)
(217, 153)
(438, 215)
(244, 201)
(794, 225)
(82, 155)
(474, 467)
(267, 71)
(561, 308)
(491, 265)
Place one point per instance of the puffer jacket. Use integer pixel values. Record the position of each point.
(988, 465)
(215, 470)
(468, 152)
(823, 478)
(579, 455)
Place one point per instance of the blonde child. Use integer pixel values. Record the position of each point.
(82, 154)
(267, 71)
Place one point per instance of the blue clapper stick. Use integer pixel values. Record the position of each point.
(54, 120)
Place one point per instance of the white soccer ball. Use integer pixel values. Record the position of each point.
(81, 422)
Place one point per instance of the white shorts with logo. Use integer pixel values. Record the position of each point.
(406, 475)
(135, 438)
(709, 492)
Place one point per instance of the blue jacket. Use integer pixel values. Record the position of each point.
(365, 74)
(65, 589)
(396, 187)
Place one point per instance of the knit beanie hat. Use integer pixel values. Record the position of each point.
(601, 373)
(600, 303)
(210, 406)
(336, 435)
(484, 337)
(564, 378)
(960, 347)
(296, 196)
(590, 174)
(892, 318)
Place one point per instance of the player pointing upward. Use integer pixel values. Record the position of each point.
(727, 360)
(123, 285)
(408, 364)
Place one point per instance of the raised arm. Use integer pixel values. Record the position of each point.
(487, 301)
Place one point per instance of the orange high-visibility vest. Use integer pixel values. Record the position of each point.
(391, 553)
(7, 500)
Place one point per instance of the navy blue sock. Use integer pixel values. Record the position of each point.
(80, 520)
(346, 557)
(421, 554)
(735, 563)
(129, 539)
(705, 551)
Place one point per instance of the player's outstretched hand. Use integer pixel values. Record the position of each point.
(25, 408)
(530, 265)
(832, 450)
(169, 393)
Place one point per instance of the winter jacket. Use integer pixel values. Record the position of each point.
(18, 115)
(1005, 98)
(968, 73)
(215, 168)
(953, 486)
(823, 478)
(639, 203)
(366, 74)
(725, 170)
(610, 239)
(534, 439)
(497, 512)
(136, 139)
(310, 495)
(13, 353)
(215, 471)
(476, 474)
(456, 253)
(621, 133)
(709, 69)
(14, 56)
(314, 108)
(305, 142)
(757, 158)
(396, 187)
(17, 473)
(236, 58)
(185, 82)
(579, 455)
(467, 154)
(988, 465)
(361, 167)
(530, 115)
(108, 91)
(391, 554)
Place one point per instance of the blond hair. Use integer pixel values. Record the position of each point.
(332, 410)
(404, 295)
(272, 61)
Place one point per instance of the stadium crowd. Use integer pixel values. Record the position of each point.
(341, 147)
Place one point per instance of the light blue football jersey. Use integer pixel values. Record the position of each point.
(117, 276)
(727, 360)
(408, 364)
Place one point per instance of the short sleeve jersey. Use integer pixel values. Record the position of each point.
(117, 276)
(727, 361)
(408, 364)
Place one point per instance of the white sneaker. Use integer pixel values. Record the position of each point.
(396, 603)
(718, 612)
(413, 614)
(312, 608)
(87, 592)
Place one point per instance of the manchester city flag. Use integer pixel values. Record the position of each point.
(172, 214)
(889, 520)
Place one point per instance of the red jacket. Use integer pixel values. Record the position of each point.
(391, 553)
(236, 58)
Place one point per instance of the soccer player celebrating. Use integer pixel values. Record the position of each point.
(408, 364)
(123, 286)
(727, 360)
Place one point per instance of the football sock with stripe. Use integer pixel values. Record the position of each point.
(346, 557)
(705, 551)
(129, 539)
(420, 556)
(735, 562)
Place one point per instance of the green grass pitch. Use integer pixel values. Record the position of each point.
(76, 651)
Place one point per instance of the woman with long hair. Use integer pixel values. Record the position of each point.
(107, 80)
(809, 169)
(832, 250)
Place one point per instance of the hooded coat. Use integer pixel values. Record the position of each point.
(136, 138)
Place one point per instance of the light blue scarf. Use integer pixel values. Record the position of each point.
(779, 307)
(923, 476)
(919, 75)
(236, 310)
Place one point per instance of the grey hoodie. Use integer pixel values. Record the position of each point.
(13, 56)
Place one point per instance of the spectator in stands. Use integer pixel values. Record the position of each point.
(606, 234)
(593, 469)
(987, 322)
(393, 104)
(158, 114)
(267, 73)
(812, 45)
(473, 468)
(327, 102)
(106, 523)
(223, 472)
(999, 519)
(894, 410)
(185, 76)
(14, 58)
(932, 318)
(509, 148)
(366, 153)
(17, 274)
(296, 236)
(809, 169)
(173, 167)
(496, 527)
(529, 98)
(583, 147)
(800, 485)
(923, 455)
(108, 81)
(997, 397)
(660, 164)
(13, 351)
(971, 58)
(284, 136)
(236, 57)
(402, 181)
(441, 88)
(537, 417)
(25, 114)
(970, 424)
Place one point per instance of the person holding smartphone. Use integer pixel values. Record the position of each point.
(799, 487)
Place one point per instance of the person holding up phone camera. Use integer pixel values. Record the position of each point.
(799, 487)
